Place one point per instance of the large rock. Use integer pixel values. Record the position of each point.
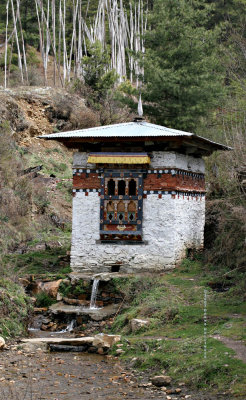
(161, 380)
(137, 324)
(96, 314)
(51, 288)
(102, 340)
(2, 343)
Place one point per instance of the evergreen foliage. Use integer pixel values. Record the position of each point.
(183, 74)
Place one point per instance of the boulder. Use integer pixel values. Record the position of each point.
(2, 343)
(51, 288)
(103, 340)
(161, 380)
(137, 324)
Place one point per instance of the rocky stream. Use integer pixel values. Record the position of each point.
(65, 358)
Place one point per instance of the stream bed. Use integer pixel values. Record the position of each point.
(66, 376)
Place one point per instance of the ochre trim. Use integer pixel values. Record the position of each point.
(118, 158)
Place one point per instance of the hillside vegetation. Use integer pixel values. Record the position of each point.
(173, 341)
(188, 61)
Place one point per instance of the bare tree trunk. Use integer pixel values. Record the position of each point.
(59, 41)
(47, 50)
(64, 41)
(54, 39)
(6, 46)
(41, 44)
(75, 11)
(22, 39)
(17, 42)
(49, 41)
(10, 59)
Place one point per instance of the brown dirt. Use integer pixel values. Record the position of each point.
(66, 377)
(236, 345)
(78, 376)
(34, 111)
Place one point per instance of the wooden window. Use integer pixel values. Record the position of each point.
(132, 211)
(121, 216)
(110, 211)
(132, 187)
(121, 188)
(111, 187)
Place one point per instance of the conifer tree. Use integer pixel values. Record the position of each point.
(183, 75)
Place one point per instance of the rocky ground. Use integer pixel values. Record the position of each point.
(74, 376)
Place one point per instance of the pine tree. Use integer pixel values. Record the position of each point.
(183, 75)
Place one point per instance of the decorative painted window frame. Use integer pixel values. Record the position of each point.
(116, 235)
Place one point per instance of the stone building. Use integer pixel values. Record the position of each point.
(138, 196)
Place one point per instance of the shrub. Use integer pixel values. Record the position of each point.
(44, 300)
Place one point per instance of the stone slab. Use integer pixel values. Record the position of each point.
(97, 314)
(65, 341)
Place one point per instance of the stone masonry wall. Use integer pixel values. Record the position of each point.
(159, 159)
(157, 254)
(171, 159)
(170, 225)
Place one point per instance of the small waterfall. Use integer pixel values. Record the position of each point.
(70, 327)
(94, 294)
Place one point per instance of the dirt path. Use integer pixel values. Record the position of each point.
(66, 376)
(77, 376)
(236, 345)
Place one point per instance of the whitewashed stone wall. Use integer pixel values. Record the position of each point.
(171, 159)
(169, 227)
(189, 225)
(159, 159)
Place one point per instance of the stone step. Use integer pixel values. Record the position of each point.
(100, 343)
(65, 341)
(97, 314)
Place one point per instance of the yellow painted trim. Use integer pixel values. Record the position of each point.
(118, 160)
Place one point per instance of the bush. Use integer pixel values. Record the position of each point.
(44, 300)
(14, 309)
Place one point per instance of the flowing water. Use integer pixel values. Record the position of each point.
(94, 294)
(70, 327)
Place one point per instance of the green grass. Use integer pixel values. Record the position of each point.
(14, 309)
(44, 300)
(184, 361)
(39, 262)
(52, 163)
(173, 303)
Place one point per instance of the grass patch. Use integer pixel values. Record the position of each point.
(173, 303)
(14, 309)
(50, 261)
(44, 300)
(81, 287)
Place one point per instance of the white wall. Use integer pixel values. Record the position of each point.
(171, 159)
(159, 159)
(169, 227)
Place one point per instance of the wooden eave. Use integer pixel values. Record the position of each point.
(193, 144)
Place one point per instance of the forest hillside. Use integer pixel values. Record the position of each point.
(70, 64)
(186, 58)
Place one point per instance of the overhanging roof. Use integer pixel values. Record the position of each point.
(135, 131)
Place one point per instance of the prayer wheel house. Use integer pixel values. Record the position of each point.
(138, 196)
